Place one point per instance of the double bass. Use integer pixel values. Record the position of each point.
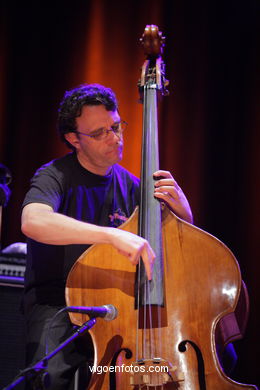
(164, 334)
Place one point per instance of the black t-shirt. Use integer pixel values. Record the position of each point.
(73, 191)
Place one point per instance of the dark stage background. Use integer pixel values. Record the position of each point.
(209, 125)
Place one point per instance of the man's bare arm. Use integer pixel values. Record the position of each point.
(42, 224)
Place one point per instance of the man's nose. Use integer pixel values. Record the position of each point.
(112, 135)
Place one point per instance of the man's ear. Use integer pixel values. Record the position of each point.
(72, 138)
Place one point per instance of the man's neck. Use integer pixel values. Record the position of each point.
(97, 170)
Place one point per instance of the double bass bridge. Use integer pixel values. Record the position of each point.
(154, 372)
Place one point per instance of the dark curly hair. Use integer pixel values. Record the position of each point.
(73, 101)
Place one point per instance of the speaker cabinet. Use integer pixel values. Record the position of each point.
(12, 331)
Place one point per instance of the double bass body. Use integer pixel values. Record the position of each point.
(169, 344)
(202, 281)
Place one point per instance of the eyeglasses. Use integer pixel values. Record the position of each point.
(102, 133)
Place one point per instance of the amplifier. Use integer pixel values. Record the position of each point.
(12, 266)
(12, 331)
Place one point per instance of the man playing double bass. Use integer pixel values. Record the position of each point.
(73, 202)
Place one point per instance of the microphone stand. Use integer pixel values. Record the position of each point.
(5, 179)
(0, 224)
(38, 373)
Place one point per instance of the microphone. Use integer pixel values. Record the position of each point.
(108, 312)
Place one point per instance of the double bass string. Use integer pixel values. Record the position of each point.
(151, 349)
(148, 225)
(138, 310)
(149, 293)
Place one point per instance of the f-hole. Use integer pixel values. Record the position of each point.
(201, 366)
